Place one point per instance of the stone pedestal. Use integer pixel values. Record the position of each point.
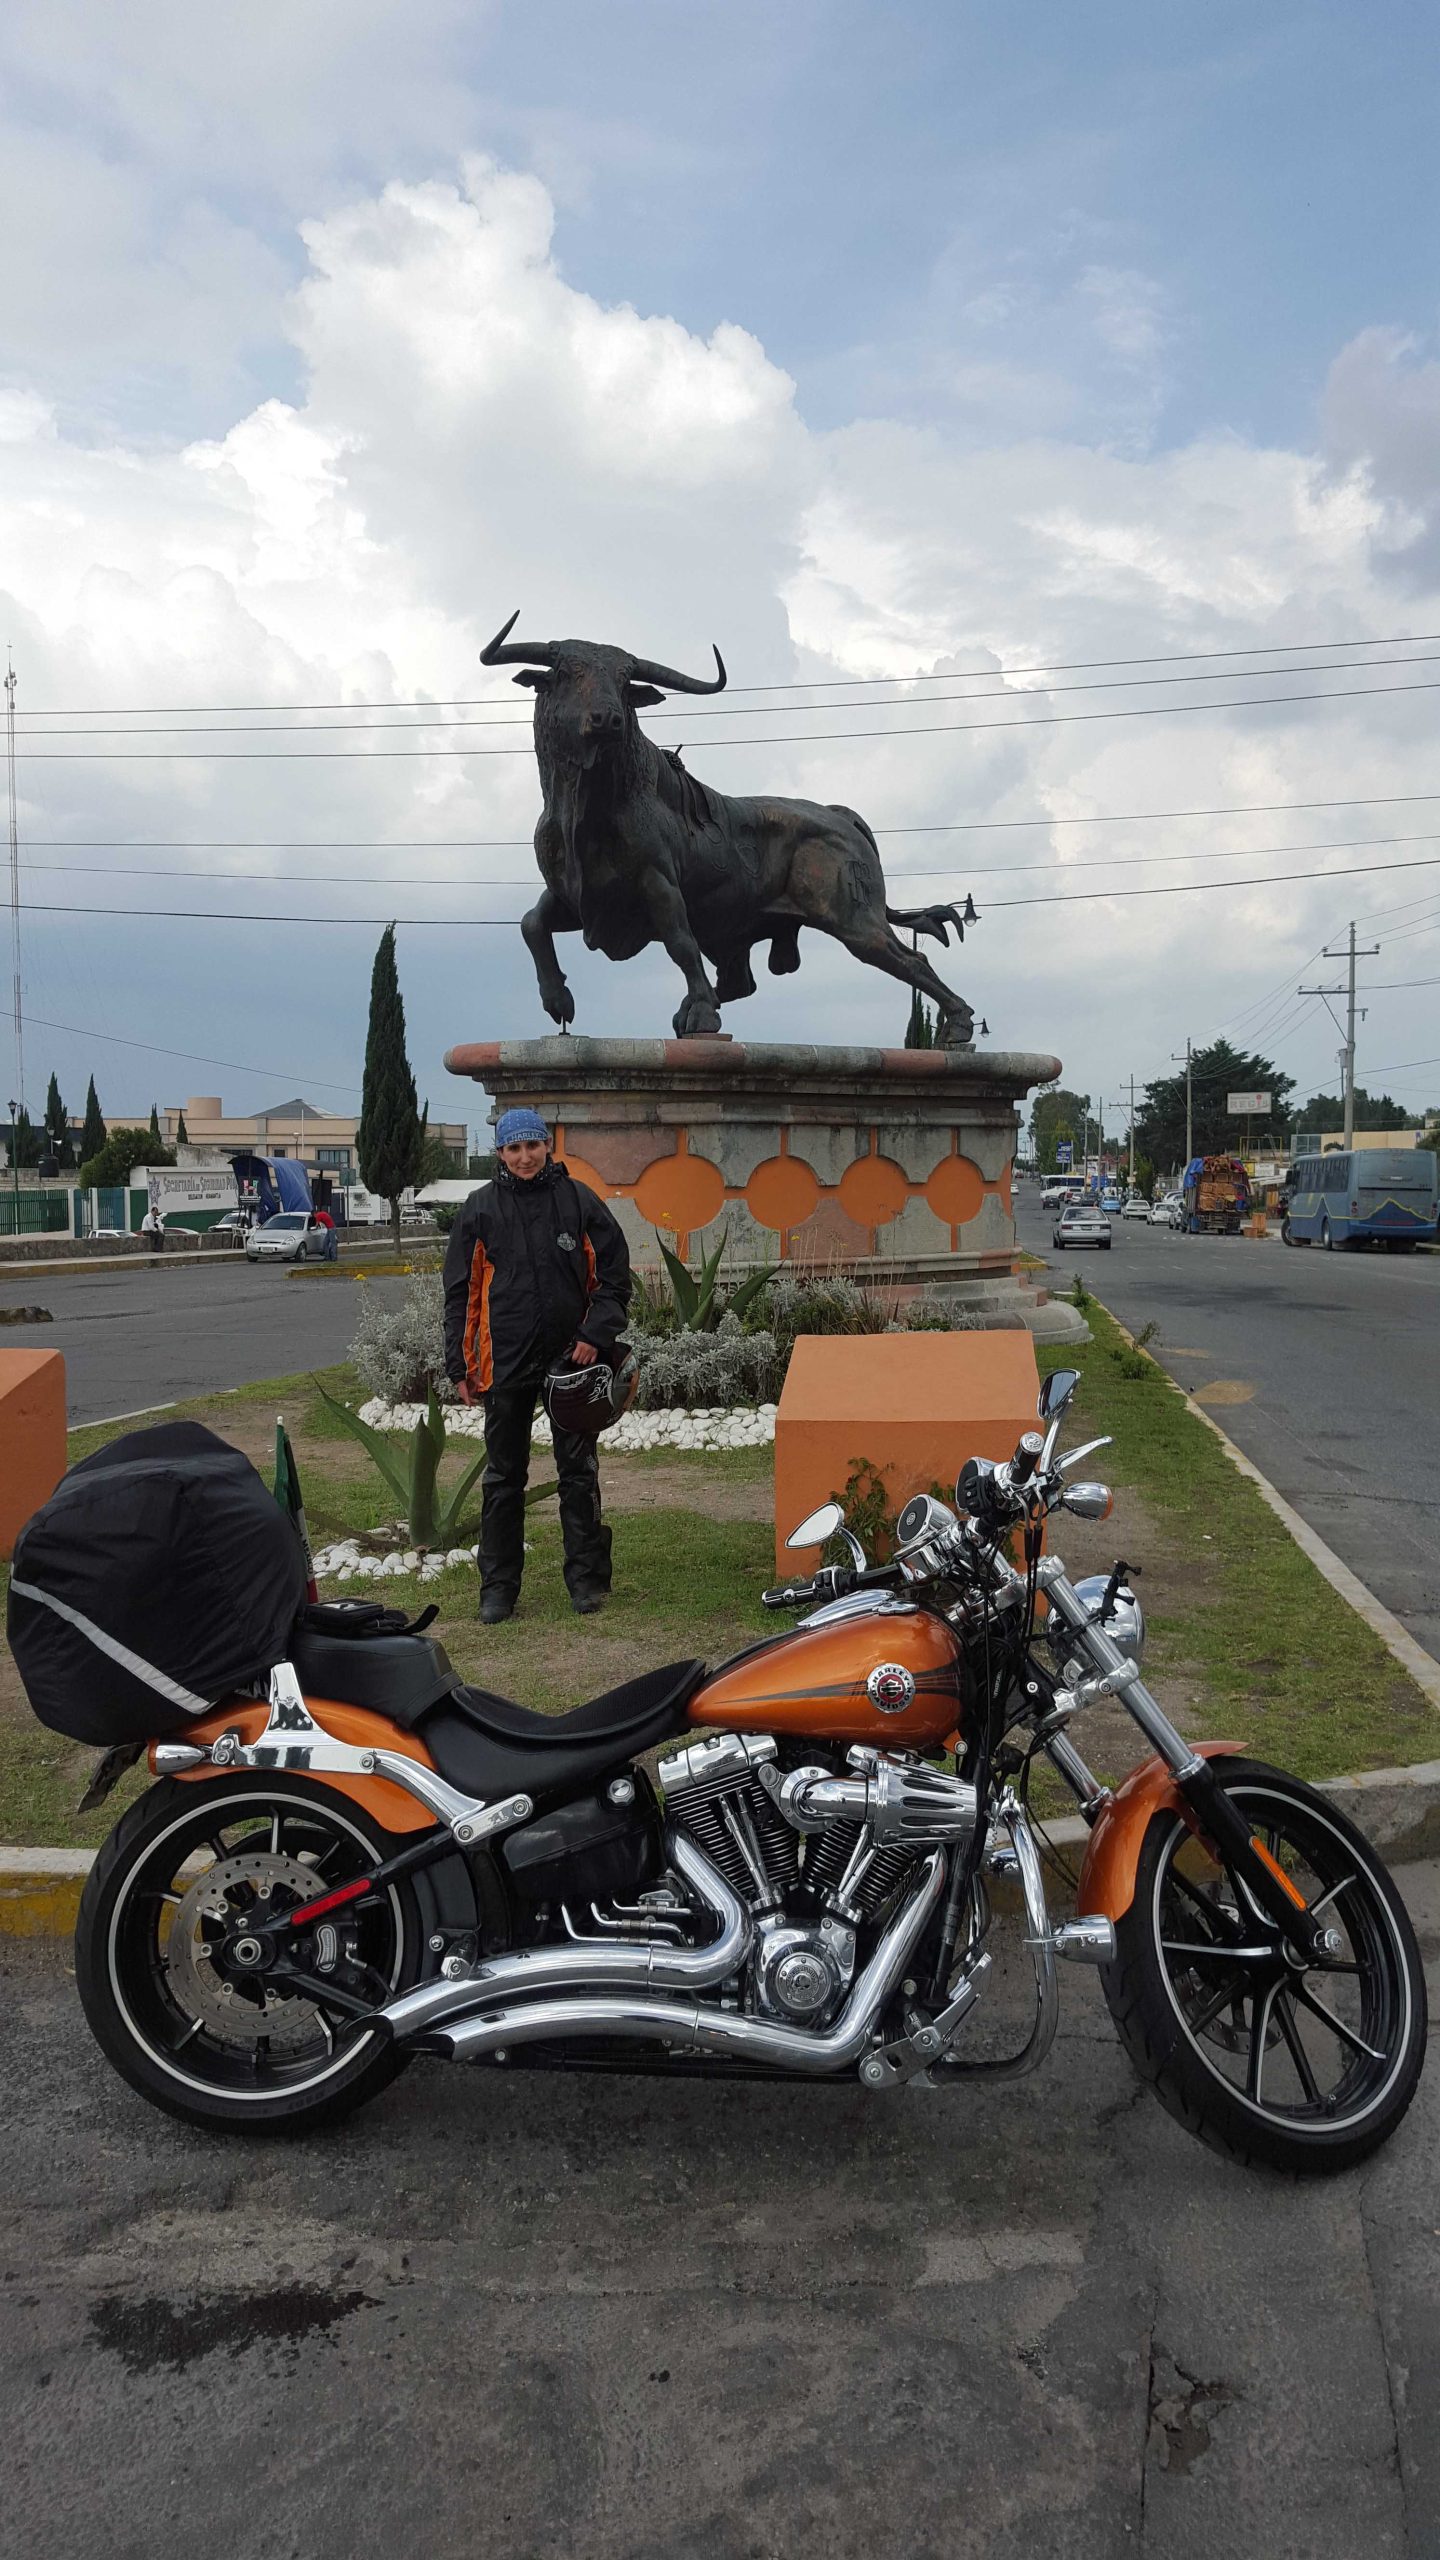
(32, 1436)
(893, 1165)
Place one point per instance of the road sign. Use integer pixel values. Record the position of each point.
(1247, 1105)
(1064, 1154)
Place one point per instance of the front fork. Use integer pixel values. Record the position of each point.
(1201, 1789)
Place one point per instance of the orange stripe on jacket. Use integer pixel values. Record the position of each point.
(479, 1352)
(592, 1276)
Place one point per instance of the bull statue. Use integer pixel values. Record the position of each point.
(633, 849)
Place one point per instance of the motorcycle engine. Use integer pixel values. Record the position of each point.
(810, 1889)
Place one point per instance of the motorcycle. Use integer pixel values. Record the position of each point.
(370, 1861)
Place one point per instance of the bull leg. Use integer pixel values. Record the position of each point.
(734, 977)
(872, 941)
(546, 918)
(666, 910)
(784, 950)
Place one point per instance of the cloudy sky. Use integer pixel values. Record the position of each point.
(1041, 410)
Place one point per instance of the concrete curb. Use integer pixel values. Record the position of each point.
(40, 1891)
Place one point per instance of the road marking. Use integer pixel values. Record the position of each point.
(1224, 1391)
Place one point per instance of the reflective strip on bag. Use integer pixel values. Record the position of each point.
(134, 1663)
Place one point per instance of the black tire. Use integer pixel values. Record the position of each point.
(126, 1976)
(1326, 1238)
(1181, 2036)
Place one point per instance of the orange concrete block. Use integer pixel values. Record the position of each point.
(32, 1436)
(916, 1405)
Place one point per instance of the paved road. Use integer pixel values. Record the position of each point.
(598, 2319)
(157, 1332)
(1323, 1367)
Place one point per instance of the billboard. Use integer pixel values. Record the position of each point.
(1247, 1105)
(1064, 1154)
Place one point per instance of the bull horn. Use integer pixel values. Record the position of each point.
(520, 653)
(645, 671)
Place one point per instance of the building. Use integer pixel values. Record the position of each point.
(1318, 1142)
(323, 1141)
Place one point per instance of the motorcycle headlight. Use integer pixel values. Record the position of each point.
(1125, 1625)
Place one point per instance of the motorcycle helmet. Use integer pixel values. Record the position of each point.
(589, 1399)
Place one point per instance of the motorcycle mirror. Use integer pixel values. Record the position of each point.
(1057, 1392)
(817, 1526)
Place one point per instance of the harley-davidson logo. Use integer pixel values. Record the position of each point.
(565, 1242)
(890, 1687)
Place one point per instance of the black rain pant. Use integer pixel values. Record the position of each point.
(509, 1413)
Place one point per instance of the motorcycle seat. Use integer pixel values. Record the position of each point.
(397, 1676)
(490, 1746)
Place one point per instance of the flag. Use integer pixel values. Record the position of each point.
(288, 1495)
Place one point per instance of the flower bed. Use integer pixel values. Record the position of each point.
(671, 1427)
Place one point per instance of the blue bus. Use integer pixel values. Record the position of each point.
(1377, 1195)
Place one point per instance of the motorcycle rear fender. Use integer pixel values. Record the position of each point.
(391, 1806)
(1112, 1855)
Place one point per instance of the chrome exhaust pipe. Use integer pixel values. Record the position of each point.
(690, 2028)
(655, 1964)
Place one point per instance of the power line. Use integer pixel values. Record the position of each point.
(787, 738)
(814, 684)
(513, 844)
(194, 1057)
(731, 711)
(972, 871)
(1171, 889)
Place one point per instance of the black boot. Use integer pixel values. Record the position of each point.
(496, 1606)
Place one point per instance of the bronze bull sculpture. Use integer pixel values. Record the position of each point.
(634, 850)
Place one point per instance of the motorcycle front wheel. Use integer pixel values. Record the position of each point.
(1269, 2061)
(164, 1908)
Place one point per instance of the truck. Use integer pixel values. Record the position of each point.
(1216, 1193)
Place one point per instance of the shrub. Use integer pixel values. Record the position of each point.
(400, 1351)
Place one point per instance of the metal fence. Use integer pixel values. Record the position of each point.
(34, 1213)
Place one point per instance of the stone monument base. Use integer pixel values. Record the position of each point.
(893, 1165)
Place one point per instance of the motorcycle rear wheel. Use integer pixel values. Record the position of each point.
(228, 2053)
(1304, 2070)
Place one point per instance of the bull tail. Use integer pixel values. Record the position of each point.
(932, 920)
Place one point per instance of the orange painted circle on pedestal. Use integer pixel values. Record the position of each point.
(680, 1192)
(781, 1192)
(873, 1191)
(580, 1171)
(955, 1190)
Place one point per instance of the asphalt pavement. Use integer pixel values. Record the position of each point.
(1323, 1367)
(159, 1331)
(589, 2318)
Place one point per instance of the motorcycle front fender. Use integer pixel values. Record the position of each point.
(1112, 1855)
(392, 1807)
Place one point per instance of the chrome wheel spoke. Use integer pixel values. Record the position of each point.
(1337, 2026)
(1259, 2030)
(1216, 1948)
(1329, 1895)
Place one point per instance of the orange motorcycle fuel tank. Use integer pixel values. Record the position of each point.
(870, 1673)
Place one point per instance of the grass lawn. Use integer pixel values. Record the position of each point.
(1245, 1637)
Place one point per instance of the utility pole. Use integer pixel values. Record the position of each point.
(16, 1013)
(1347, 1054)
(1132, 1133)
(1189, 1102)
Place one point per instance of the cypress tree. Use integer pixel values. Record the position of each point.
(57, 1126)
(390, 1139)
(920, 1031)
(92, 1137)
(27, 1142)
(182, 1134)
(155, 1126)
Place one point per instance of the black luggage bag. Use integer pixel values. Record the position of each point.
(160, 1577)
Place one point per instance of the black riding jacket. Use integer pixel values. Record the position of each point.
(531, 1266)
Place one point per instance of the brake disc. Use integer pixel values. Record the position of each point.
(237, 2016)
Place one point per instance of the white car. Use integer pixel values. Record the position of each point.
(1082, 1223)
(1136, 1206)
(1160, 1214)
(292, 1237)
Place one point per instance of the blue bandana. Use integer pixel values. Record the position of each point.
(512, 1126)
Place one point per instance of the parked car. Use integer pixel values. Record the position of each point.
(292, 1237)
(107, 1235)
(1083, 1222)
(1137, 1206)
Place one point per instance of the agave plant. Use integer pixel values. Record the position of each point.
(698, 1305)
(413, 1475)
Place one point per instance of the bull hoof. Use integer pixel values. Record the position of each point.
(560, 1004)
(694, 1020)
(784, 954)
(956, 1030)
